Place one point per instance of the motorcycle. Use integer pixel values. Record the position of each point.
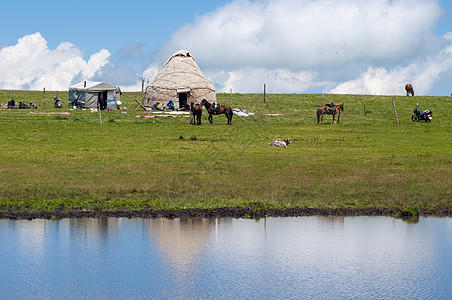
(419, 115)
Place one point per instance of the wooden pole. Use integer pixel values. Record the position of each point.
(395, 111)
(44, 93)
(363, 104)
(100, 115)
(264, 92)
(323, 100)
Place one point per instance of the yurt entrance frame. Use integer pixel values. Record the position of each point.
(183, 97)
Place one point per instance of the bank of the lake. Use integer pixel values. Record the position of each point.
(68, 165)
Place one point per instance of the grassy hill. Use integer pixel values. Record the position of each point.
(132, 161)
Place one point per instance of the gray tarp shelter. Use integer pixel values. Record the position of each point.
(88, 94)
(180, 80)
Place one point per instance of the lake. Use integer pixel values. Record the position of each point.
(272, 258)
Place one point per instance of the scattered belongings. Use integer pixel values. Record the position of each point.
(280, 143)
(177, 112)
(163, 116)
(242, 112)
(50, 113)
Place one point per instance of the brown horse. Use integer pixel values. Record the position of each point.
(196, 113)
(224, 109)
(325, 110)
(409, 89)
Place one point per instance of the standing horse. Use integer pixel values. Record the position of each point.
(196, 112)
(409, 89)
(322, 110)
(224, 109)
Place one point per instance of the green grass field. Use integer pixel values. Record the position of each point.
(131, 162)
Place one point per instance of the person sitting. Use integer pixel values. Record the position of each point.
(170, 105)
(22, 105)
(32, 105)
(157, 106)
(11, 104)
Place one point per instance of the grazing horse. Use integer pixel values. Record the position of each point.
(322, 110)
(196, 112)
(409, 89)
(224, 109)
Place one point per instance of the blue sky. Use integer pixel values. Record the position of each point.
(294, 46)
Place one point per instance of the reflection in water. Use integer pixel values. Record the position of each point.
(181, 239)
(309, 257)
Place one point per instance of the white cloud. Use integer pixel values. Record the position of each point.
(300, 34)
(378, 81)
(291, 44)
(30, 64)
(276, 81)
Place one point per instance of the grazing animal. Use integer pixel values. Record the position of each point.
(196, 113)
(280, 143)
(224, 109)
(409, 89)
(322, 110)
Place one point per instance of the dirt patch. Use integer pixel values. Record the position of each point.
(230, 212)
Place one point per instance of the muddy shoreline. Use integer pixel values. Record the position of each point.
(226, 212)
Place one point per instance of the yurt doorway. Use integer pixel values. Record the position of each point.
(183, 98)
(102, 99)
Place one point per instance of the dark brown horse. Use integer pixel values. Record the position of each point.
(196, 113)
(325, 110)
(224, 109)
(409, 89)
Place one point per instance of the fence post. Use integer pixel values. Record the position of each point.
(264, 92)
(100, 114)
(395, 111)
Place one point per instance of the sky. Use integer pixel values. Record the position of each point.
(292, 46)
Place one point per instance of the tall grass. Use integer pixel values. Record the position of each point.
(366, 161)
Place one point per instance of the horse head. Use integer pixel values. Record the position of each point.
(205, 103)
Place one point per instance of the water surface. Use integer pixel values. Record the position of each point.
(274, 258)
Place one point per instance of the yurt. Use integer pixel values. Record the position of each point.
(180, 80)
(91, 94)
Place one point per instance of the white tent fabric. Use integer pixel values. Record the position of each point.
(180, 80)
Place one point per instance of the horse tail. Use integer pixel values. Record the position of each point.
(318, 115)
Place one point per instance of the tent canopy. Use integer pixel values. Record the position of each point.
(181, 80)
(87, 94)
